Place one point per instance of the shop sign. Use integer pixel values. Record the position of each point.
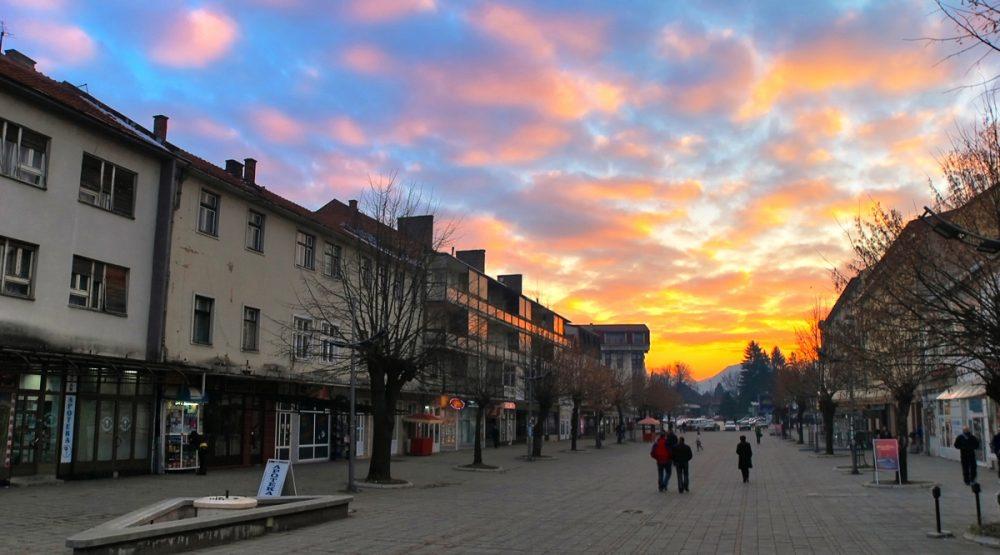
(272, 484)
(886, 456)
(509, 405)
(69, 413)
(456, 403)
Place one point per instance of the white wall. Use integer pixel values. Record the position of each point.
(224, 269)
(61, 226)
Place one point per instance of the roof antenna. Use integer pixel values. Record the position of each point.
(4, 33)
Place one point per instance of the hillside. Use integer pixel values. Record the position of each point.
(708, 384)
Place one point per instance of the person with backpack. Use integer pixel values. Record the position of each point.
(661, 453)
(682, 455)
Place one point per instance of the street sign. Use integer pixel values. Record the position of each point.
(886, 456)
(272, 484)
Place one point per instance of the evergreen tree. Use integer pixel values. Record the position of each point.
(756, 377)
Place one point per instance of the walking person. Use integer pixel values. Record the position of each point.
(682, 456)
(757, 431)
(745, 455)
(661, 452)
(967, 445)
(697, 442)
(200, 443)
(495, 435)
(995, 447)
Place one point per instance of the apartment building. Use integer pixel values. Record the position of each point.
(623, 347)
(80, 192)
(483, 320)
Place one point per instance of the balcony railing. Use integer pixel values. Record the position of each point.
(438, 292)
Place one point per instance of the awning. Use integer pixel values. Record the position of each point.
(962, 392)
(648, 421)
(863, 396)
(423, 418)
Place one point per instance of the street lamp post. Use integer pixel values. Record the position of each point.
(353, 444)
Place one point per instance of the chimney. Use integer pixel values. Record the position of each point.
(512, 281)
(474, 258)
(250, 171)
(18, 58)
(417, 228)
(353, 205)
(234, 168)
(160, 127)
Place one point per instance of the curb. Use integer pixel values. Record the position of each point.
(983, 540)
(406, 484)
(911, 485)
(463, 468)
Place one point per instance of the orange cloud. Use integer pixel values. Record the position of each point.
(195, 39)
(528, 142)
(538, 36)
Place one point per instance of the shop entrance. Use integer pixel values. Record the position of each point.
(113, 423)
(34, 445)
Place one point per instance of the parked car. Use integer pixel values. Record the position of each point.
(730, 426)
(709, 425)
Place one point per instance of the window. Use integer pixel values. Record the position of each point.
(201, 330)
(328, 342)
(366, 269)
(107, 186)
(255, 231)
(303, 337)
(509, 376)
(251, 328)
(98, 286)
(615, 338)
(17, 264)
(305, 250)
(638, 362)
(331, 260)
(208, 213)
(22, 154)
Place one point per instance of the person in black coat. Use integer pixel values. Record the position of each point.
(682, 456)
(200, 443)
(995, 447)
(745, 454)
(967, 445)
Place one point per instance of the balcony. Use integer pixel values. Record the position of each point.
(452, 295)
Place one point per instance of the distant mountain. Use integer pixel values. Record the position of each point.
(708, 384)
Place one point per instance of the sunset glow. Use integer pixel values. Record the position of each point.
(690, 167)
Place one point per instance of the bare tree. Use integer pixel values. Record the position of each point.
(975, 29)
(602, 383)
(377, 303)
(545, 389)
(823, 373)
(477, 374)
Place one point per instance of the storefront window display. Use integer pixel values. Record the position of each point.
(181, 418)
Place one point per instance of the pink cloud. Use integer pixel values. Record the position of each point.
(195, 39)
(366, 58)
(275, 126)
(58, 44)
(541, 36)
(347, 131)
(38, 4)
(380, 11)
(526, 143)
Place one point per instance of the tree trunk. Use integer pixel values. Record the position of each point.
(599, 419)
(829, 409)
(477, 456)
(620, 432)
(383, 422)
(574, 424)
(798, 417)
(536, 441)
(903, 402)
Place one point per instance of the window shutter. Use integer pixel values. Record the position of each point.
(116, 289)
(124, 192)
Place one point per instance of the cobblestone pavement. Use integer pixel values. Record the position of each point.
(594, 501)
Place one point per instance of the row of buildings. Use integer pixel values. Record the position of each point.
(931, 265)
(146, 293)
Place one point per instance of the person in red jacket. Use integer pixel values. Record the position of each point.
(661, 452)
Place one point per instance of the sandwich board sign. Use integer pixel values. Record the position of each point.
(272, 484)
(886, 456)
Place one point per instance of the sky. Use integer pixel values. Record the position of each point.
(687, 165)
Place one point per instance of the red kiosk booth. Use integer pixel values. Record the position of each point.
(648, 422)
(422, 438)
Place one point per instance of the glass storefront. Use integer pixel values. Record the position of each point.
(35, 440)
(180, 419)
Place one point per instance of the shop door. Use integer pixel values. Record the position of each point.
(283, 436)
(34, 448)
(112, 425)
